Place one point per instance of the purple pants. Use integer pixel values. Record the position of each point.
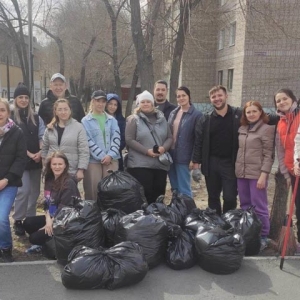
(249, 195)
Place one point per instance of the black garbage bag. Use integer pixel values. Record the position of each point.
(122, 191)
(219, 251)
(110, 219)
(181, 249)
(248, 225)
(182, 204)
(169, 215)
(122, 265)
(149, 231)
(48, 249)
(199, 217)
(78, 225)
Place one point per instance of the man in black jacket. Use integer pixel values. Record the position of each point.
(160, 95)
(215, 149)
(58, 89)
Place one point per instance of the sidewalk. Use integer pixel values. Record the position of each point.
(258, 278)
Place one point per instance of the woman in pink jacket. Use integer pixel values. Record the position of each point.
(254, 163)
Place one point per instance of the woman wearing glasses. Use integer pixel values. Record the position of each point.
(67, 135)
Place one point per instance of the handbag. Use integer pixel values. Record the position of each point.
(165, 158)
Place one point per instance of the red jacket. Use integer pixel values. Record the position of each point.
(287, 129)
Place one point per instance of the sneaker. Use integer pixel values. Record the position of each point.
(6, 256)
(18, 228)
(34, 249)
(263, 243)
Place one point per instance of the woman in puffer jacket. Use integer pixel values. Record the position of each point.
(254, 162)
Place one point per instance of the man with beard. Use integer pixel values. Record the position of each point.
(215, 148)
(58, 89)
(160, 95)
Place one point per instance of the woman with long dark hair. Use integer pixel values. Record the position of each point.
(287, 107)
(60, 187)
(13, 161)
(33, 129)
(182, 121)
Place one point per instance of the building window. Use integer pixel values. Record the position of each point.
(230, 80)
(220, 77)
(232, 32)
(221, 39)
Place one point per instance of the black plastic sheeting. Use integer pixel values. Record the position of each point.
(149, 231)
(78, 225)
(122, 265)
(121, 191)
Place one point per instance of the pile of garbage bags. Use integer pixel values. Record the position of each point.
(116, 246)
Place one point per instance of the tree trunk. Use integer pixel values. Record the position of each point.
(184, 19)
(143, 48)
(279, 207)
(83, 66)
(130, 99)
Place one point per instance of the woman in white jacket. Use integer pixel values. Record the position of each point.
(65, 134)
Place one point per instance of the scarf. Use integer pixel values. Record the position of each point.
(4, 129)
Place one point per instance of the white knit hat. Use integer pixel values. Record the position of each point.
(145, 95)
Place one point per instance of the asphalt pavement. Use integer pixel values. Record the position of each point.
(258, 278)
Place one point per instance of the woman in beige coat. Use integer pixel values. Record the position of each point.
(67, 135)
(254, 163)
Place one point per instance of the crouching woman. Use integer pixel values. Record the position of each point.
(60, 187)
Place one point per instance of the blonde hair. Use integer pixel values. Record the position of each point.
(17, 113)
(55, 119)
(5, 102)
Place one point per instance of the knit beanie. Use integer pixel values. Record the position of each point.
(21, 89)
(145, 95)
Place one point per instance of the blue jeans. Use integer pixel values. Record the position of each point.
(7, 198)
(180, 179)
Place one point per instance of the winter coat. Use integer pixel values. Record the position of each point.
(46, 107)
(182, 154)
(13, 156)
(256, 150)
(143, 135)
(119, 117)
(99, 149)
(73, 144)
(287, 129)
(167, 109)
(33, 135)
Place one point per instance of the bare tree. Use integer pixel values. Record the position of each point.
(143, 40)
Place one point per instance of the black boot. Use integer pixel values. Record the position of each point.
(6, 255)
(18, 228)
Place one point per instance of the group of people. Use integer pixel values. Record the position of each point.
(233, 147)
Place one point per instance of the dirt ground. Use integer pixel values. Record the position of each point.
(200, 197)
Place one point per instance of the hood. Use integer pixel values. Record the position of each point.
(112, 96)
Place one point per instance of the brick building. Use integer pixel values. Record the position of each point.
(250, 46)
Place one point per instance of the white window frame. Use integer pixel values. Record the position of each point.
(221, 39)
(230, 74)
(232, 34)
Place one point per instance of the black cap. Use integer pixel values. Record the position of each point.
(98, 95)
(21, 89)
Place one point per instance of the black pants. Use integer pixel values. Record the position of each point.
(154, 181)
(32, 226)
(221, 178)
(297, 203)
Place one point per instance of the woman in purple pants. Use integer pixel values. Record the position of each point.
(254, 163)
